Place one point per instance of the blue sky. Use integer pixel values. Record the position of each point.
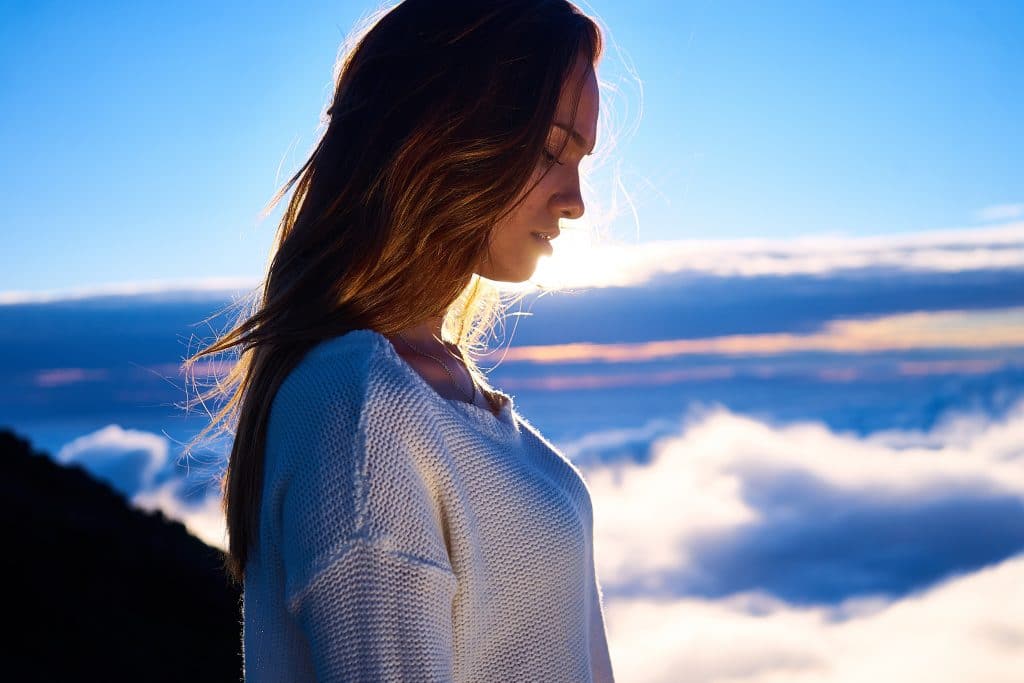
(141, 140)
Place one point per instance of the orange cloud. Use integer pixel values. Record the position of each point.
(958, 329)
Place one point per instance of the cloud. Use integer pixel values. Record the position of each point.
(967, 628)
(56, 377)
(1001, 212)
(975, 366)
(621, 379)
(618, 444)
(815, 544)
(733, 504)
(180, 289)
(957, 329)
(745, 551)
(731, 549)
(137, 465)
(203, 518)
(127, 459)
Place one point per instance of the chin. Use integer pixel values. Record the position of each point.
(510, 275)
(508, 279)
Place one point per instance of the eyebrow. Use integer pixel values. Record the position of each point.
(576, 136)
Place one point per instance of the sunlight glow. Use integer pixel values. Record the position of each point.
(577, 259)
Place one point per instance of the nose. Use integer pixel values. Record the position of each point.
(573, 212)
(568, 203)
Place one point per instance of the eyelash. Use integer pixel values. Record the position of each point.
(552, 158)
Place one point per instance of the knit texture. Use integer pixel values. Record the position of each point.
(409, 537)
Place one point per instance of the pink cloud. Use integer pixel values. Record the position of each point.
(56, 377)
(1003, 328)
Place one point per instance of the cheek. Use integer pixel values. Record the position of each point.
(520, 224)
(503, 239)
(531, 210)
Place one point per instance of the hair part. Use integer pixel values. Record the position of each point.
(436, 127)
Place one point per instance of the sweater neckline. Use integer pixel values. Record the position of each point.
(501, 426)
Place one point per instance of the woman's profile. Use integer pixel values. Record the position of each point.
(391, 516)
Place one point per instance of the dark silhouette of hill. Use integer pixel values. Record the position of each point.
(98, 590)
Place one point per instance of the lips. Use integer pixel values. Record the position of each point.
(545, 243)
(547, 235)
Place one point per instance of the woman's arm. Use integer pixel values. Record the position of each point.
(373, 614)
(367, 572)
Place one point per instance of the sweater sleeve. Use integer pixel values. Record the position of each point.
(367, 574)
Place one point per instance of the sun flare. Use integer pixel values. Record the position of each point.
(578, 261)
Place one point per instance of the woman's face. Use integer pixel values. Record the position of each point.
(516, 244)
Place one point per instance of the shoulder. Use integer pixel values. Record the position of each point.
(344, 388)
(344, 357)
(330, 379)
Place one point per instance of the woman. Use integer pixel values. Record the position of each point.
(392, 516)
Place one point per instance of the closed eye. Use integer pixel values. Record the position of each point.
(551, 158)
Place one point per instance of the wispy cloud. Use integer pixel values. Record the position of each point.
(620, 379)
(1001, 212)
(961, 329)
(974, 366)
(57, 377)
(851, 372)
(219, 287)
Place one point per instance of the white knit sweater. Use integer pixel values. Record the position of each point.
(408, 537)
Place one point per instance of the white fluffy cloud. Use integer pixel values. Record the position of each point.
(1001, 212)
(705, 481)
(127, 459)
(750, 552)
(967, 628)
(132, 462)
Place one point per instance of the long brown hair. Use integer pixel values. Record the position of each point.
(437, 125)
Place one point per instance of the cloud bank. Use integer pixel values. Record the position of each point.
(967, 628)
(743, 551)
(733, 549)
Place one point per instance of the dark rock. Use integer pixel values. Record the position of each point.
(99, 590)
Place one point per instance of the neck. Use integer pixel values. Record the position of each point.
(425, 333)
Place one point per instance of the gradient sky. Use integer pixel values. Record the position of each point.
(141, 140)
